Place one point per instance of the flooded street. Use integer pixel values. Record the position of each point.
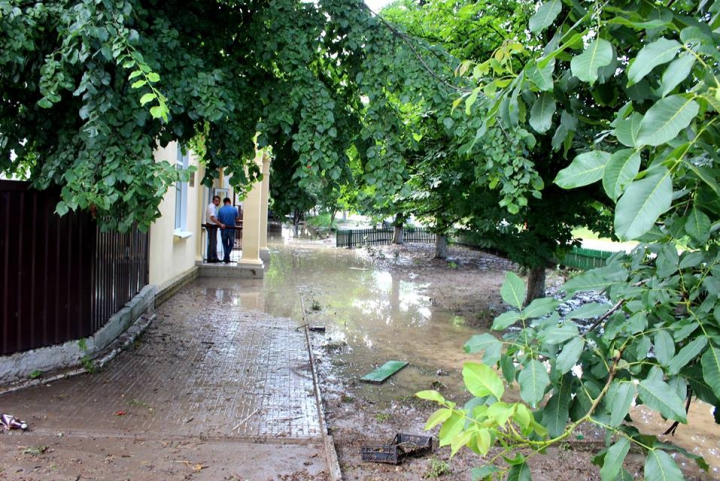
(372, 315)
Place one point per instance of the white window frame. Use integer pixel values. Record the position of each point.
(182, 161)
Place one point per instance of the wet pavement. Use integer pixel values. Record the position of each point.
(220, 387)
(209, 369)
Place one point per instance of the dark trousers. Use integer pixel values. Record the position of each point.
(212, 230)
(228, 242)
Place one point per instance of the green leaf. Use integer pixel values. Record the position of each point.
(642, 203)
(614, 458)
(541, 76)
(664, 347)
(569, 355)
(61, 208)
(627, 130)
(484, 473)
(659, 466)
(619, 399)
(545, 16)
(138, 83)
(711, 369)
(558, 334)
(556, 412)
(513, 290)
(698, 225)
(520, 472)
(664, 120)
(650, 56)
(588, 311)
(533, 380)
(149, 97)
(485, 342)
(450, 428)
(44, 103)
(482, 380)
(539, 307)
(505, 320)
(620, 170)
(597, 54)
(659, 396)
(596, 279)
(439, 416)
(676, 72)
(542, 112)
(431, 396)
(584, 170)
(687, 354)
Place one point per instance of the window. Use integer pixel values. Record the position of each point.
(181, 195)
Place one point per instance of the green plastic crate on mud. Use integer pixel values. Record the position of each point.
(580, 258)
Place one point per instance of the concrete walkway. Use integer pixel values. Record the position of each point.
(210, 391)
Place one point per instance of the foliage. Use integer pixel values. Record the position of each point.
(488, 180)
(628, 92)
(104, 82)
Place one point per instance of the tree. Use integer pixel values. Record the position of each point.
(533, 225)
(649, 73)
(90, 88)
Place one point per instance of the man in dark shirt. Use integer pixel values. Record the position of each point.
(227, 215)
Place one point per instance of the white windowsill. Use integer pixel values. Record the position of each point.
(183, 234)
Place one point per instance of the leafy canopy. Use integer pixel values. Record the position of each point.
(628, 92)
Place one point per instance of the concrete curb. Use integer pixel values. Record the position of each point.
(330, 452)
(20, 366)
(121, 342)
(70, 358)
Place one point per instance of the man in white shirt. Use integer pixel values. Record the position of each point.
(212, 224)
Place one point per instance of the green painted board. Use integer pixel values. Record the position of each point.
(383, 372)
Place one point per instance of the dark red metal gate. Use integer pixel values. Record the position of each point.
(60, 278)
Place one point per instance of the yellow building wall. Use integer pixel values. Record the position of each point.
(170, 254)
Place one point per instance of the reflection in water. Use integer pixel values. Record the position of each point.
(374, 316)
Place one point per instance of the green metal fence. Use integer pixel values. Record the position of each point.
(362, 237)
(580, 258)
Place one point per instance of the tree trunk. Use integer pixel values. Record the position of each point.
(536, 284)
(398, 234)
(441, 247)
(296, 222)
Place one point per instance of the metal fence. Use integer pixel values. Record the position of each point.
(579, 258)
(60, 278)
(361, 237)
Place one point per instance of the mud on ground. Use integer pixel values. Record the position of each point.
(468, 284)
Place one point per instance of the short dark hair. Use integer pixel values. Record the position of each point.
(216, 197)
(226, 200)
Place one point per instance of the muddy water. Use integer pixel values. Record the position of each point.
(372, 316)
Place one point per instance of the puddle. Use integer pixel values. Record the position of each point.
(372, 316)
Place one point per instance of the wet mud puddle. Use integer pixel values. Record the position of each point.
(372, 316)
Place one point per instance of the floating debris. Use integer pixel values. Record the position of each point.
(380, 374)
(403, 446)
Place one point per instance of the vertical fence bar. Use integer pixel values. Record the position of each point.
(60, 278)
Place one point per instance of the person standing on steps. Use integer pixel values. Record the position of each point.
(212, 224)
(228, 216)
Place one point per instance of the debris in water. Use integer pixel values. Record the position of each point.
(403, 446)
(380, 374)
(8, 421)
(317, 328)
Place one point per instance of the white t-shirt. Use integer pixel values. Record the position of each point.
(211, 212)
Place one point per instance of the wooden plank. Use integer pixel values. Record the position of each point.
(380, 374)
